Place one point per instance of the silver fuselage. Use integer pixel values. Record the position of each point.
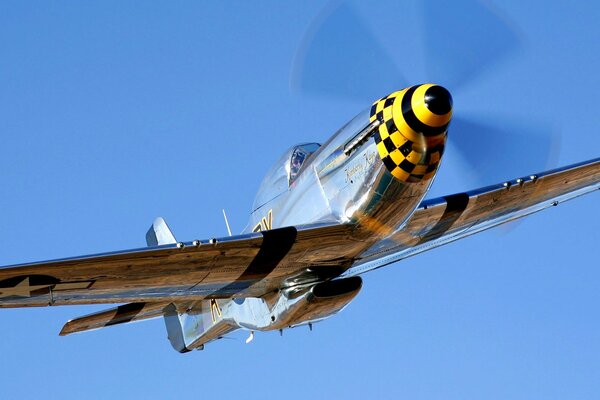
(337, 187)
(343, 182)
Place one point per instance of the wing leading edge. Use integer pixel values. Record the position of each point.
(449, 218)
(242, 266)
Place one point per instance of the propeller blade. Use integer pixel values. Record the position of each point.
(340, 56)
(518, 147)
(458, 50)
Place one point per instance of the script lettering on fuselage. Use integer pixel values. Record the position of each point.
(360, 166)
(265, 223)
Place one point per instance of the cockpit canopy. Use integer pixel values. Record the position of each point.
(283, 173)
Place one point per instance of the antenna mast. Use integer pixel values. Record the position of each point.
(227, 223)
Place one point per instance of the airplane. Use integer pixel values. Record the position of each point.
(324, 215)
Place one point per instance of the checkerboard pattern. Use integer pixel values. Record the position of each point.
(410, 151)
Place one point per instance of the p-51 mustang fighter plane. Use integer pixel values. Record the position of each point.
(323, 215)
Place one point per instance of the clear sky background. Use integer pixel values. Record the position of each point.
(113, 113)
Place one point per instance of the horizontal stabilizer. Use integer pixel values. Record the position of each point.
(159, 234)
(197, 325)
(119, 315)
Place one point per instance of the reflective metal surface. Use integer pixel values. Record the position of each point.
(323, 214)
(193, 327)
(440, 221)
(340, 186)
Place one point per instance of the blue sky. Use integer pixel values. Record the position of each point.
(113, 113)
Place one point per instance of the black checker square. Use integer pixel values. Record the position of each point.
(377, 137)
(374, 109)
(391, 126)
(389, 144)
(406, 148)
(407, 166)
(389, 163)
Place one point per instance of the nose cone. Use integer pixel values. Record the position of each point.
(431, 106)
(412, 134)
(438, 100)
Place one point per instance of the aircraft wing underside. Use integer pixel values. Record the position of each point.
(443, 220)
(243, 266)
(255, 264)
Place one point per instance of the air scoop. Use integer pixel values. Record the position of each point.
(412, 132)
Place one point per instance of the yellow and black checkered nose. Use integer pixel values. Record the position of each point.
(412, 134)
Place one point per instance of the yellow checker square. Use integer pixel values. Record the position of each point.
(400, 174)
(382, 150)
(415, 157)
(398, 139)
(387, 114)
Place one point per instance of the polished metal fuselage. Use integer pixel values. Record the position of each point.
(344, 182)
(288, 308)
(335, 186)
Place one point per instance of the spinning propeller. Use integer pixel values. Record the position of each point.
(363, 54)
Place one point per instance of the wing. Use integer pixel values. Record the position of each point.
(444, 220)
(245, 265)
(259, 263)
